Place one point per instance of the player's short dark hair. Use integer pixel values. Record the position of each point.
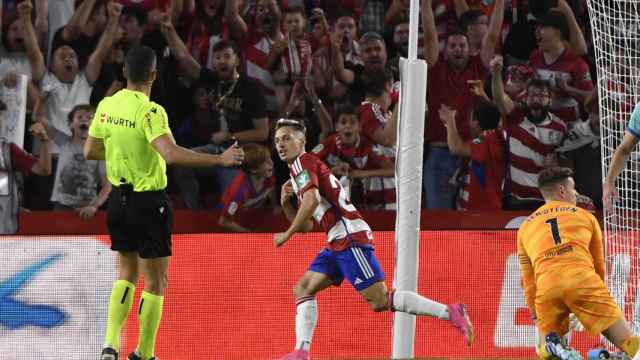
(455, 32)
(140, 62)
(80, 107)
(297, 125)
(468, 17)
(486, 114)
(295, 10)
(346, 109)
(254, 156)
(553, 176)
(374, 80)
(224, 45)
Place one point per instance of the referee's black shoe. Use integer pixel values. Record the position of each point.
(109, 353)
(135, 356)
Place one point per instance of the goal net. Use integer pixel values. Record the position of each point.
(615, 25)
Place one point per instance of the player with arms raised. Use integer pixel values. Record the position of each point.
(349, 252)
(561, 256)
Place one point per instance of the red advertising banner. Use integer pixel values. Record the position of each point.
(231, 297)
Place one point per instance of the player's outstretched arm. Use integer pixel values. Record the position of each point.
(166, 146)
(619, 161)
(302, 220)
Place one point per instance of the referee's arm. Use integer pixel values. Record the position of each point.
(166, 146)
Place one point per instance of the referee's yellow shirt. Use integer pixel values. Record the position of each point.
(127, 123)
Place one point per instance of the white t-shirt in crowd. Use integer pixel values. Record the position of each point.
(61, 99)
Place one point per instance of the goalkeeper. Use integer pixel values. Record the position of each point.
(561, 256)
(620, 158)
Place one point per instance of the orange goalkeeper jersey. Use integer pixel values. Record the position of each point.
(558, 236)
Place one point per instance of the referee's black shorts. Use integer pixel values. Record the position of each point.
(140, 221)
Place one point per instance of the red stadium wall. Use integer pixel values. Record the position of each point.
(198, 222)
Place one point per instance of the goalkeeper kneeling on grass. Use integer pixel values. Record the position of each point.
(561, 256)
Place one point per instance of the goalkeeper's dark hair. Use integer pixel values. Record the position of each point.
(140, 63)
(295, 124)
(552, 176)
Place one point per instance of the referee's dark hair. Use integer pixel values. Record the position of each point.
(140, 64)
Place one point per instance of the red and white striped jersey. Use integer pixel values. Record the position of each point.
(380, 191)
(255, 48)
(529, 145)
(570, 68)
(372, 117)
(335, 214)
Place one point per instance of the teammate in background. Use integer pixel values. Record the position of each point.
(133, 135)
(561, 254)
(349, 252)
(620, 158)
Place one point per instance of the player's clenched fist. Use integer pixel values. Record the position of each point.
(496, 64)
(286, 193)
(25, 8)
(280, 238)
(233, 156)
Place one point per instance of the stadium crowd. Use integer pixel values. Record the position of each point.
(510, 91)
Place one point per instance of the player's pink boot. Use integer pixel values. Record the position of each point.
(460, 320)
(296, 355)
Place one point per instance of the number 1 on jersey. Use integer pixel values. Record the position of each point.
(555, 231)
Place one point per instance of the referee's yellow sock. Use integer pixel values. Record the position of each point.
(119, 307)
(149, 316)
(631, 346)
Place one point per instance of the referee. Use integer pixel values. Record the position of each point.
(132, 134)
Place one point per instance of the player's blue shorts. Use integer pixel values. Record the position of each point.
(357, 264)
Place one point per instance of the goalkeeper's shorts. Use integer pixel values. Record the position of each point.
(578, 291)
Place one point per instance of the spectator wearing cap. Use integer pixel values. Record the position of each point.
(554, 61)
(454, 73)
(83, 30)
(521, 40)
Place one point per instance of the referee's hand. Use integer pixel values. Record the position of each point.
(233, 156)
